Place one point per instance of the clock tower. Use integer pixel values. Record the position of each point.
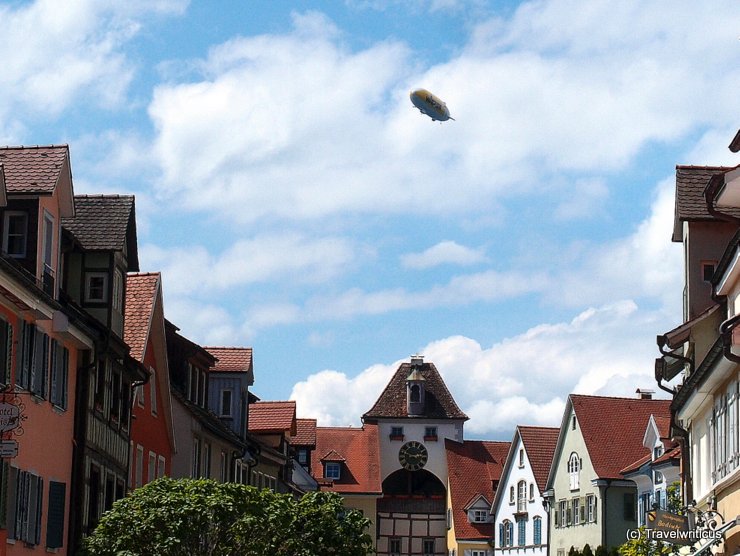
(414, 415)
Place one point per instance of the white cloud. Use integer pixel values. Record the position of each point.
(297, 137)
(524, 379)
(445, 252)
(53, 57)
(275, 257)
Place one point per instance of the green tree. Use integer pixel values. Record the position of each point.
(574, 551)
(587, 551)
(187, 517)
(601, 550)
(642, 546)
(675, 504)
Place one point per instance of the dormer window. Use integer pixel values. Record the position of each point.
(332, 470)
(96, 287)
(15, 233)
(478, 516)
(415, 395)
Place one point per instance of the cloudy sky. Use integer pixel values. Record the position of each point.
(296, 202)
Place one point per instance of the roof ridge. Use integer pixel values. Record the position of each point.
(703, 167)
(228, 347)
(105, 196)
(149, 273)
(30, 147)
(618, 398)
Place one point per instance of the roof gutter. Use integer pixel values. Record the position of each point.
(716, 182)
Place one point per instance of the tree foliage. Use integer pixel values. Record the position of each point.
(187, 517)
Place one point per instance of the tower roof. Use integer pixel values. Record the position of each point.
(438, 402)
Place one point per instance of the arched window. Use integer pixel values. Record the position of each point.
(521, 499)
(537, 525)
(511, 494)
(531, 492)
(506, 534)
(574, 470)
(415, 393)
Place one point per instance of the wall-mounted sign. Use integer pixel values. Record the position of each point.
(8, 448)
(10, 416)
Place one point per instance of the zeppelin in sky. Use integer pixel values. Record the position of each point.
(430, 105)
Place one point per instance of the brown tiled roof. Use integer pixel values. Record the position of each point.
(690, 204)
(272, 417)
(635, 465)
(613, 429)
(439, 403)
(360, 449)
(305, 433)
(101, 222)
(540, 444)
(671, 454)
(664, 426)
(474, 469)
(141, 290)
(231, 359)
(33, 169)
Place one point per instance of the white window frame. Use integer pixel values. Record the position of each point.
(151, 467)
(479, 516)
(139, 478)
(24, 235)
(333, 470)
(89, 276)
(521, 496)
(161, 467)
(574, 471)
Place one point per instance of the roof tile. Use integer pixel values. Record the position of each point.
(540, 444)
(360, 449)
(305, 433)
(231, 359)
(141, 290)
(33, 169)
(474, 468)
(272, 417)
(101, 222)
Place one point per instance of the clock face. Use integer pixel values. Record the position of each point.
(413, 455)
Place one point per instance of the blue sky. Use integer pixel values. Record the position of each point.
(296, 202)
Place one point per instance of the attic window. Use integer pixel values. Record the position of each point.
(396, 433)
(332, 470)
(96, 287)
(15, 232)
(415, 393)
(521, 457)
(707, 270)
(479, 516)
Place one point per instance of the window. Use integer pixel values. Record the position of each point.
(657, 477)
(521, 457)
(512, 493)
(531, 492)
(29, 489)
(302, 456)
(15, 231)
(59, 374)
(47, 271)
(226, 403)
(139, 465)
(477, 553)
(564, 521)
(397, 433)
(521, 533)
(161, 467)
(415, 393)
(629, 507)
(394, 547)
(430, 433)
(117, 290)
(152, 469)
(657, 452)
(96, 287)
(428, 547)
(153, 390)
(332, 470)
(93, 501)
(36, 364)
(195, 464)
(707, 270)
(479, 516)
(537, 527)
(574, 468)
(573, 422)
(576, 512)
(508, 537)
(521, 499)
(591, 508)
(193, 383)
(206, 460)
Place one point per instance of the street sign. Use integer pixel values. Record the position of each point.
(8, 448)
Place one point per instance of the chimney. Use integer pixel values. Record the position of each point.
(644, 394)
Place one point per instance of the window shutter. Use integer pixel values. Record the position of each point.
(55, 522)
(37, 513)
(569, 513)
(596, 512)
(11, 501)
(557, 516)
(582, 509)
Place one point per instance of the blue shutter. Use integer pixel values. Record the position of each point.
(501, 535)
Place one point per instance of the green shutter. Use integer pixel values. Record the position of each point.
(55, 520)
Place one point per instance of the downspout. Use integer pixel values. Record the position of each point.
(603, 511)
(683, 434)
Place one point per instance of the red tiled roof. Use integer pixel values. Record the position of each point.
(272, 417)
(141, 290)
(474, 467)
(613, 429)
(690, 204)
(231, 359)
(332, 455)
(671, 454)
(360, 449)
(33, 169)
(635, 465)
(439, 403)
(664, 426)
(540, 444)
(305, 433)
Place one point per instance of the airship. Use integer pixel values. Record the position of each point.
(431, 105)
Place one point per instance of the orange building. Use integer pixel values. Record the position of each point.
(152, 432)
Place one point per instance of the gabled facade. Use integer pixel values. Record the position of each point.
(302, 445)
(705, 407)
(474, 474)
(206, 447)
(347, 461)
(521, 519)
(99, 247)
(590, 502)
(272, 424)
(152, 430)
(656, 470)
(43, 343)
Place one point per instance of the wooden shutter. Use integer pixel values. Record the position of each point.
(11, 502)
(557, 515)
(55, 521)
(582, 508)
